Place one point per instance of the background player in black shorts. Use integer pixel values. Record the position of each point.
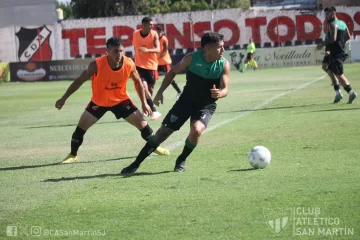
(338, 36)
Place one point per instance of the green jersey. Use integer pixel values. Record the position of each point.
(201, 75)
(337, 48)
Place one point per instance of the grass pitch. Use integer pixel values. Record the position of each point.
(314, 173)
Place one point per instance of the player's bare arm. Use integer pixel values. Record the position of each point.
(140, 90)
(348, 35)
(224, 83)
(156, 48)
(76, 84)
(332, 36)
(165, 49)
(169, 77)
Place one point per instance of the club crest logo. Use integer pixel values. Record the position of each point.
(277, 219)
(34, 44)
(173, 118)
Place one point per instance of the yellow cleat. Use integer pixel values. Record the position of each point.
(162, 151)
(70, 159)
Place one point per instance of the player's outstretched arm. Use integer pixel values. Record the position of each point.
(169, 77)
(224, 83)
(76, 84)
(140, 89)
(178, 68)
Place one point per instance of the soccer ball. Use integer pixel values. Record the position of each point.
(259, 157)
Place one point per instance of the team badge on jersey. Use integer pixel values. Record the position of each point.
(173, 118)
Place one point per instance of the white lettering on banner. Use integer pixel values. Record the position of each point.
(59, 68)
(184, 30)
(34, 45)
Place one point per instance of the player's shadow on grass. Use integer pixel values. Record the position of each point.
(335, 110)
(71, 125)
(242, 170)
(273, 108)
(56, 164)
(104, 176)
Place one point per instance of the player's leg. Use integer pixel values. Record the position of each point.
(248, 58)
(338, 69)
(173, 83)
(164, 69)
(89, 117)
(147, 77)
(177, 89)
(325, 63)
(347, 87)
(253, 63)
(173, 121)
(132, 115)
(335, 84)
(154, 142)
(199, 121)
(150, 80)
(148, 96)
(326, 66)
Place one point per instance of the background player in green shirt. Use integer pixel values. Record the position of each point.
(207, 80)
(249, 58)
(338, 36)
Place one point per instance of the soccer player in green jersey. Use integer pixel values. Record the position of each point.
(207, 80)
(338, 36)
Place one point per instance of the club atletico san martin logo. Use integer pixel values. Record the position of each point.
(34, 44)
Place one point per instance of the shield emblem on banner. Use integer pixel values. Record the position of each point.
(34, 44)
(277, 219)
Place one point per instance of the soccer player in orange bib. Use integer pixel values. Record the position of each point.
(110, 74)
(146, 47)
(164, 59)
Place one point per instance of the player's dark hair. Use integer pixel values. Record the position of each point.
(146, 20)
(330, 9)
(159, 28)
(113, 42)
(211, 37)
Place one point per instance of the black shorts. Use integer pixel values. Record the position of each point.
(164, 68)
(183, 109)
(249, 56)
(121, 110)
(326, 59)
(149, 76)
(336, 65)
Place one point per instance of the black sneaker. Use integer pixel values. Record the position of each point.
(179, 167)
(129, 169)
(352, 97)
